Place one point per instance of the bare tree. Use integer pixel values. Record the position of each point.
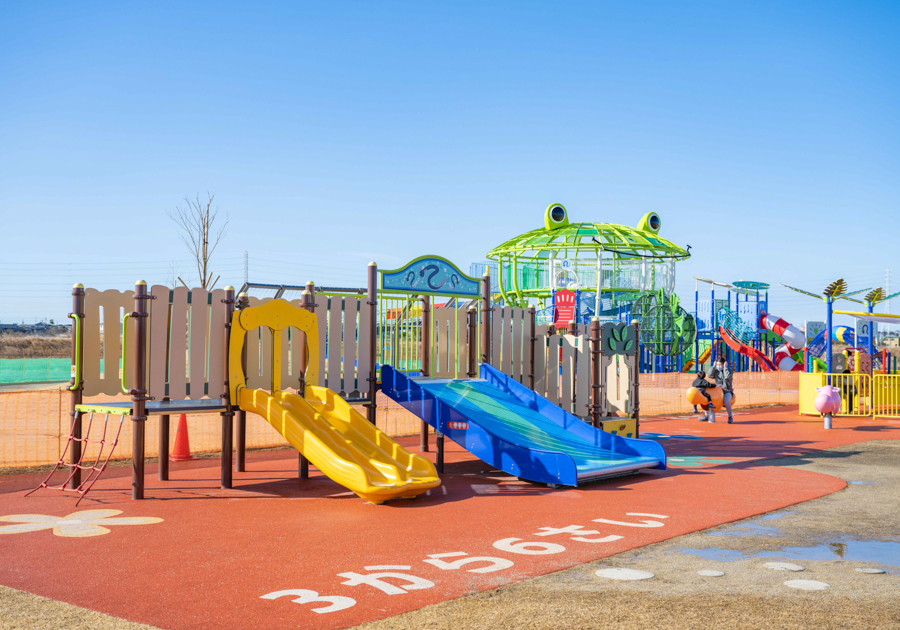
(172, 276)
(196, 222)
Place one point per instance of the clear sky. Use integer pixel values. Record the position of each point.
(766, 135)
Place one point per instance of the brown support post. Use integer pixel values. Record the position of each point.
(532, 316)
(241, 463)
(473, 341)
(486, 318)
(373, 327)
(163, 438)
(139, 392)
(596, 403)
(163, 467)
(636, 407)
(426, 368)
(228, 414)
(76, 387)
(306, 302)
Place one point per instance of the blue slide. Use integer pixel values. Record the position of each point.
(512, 428)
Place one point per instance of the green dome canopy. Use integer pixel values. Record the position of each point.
(636, 258)
(562, 237)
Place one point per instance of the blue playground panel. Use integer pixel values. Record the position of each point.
(510, 427)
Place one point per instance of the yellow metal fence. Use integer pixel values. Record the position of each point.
(886, 395)
(862, 396)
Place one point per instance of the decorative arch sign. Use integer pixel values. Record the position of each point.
(430, 275)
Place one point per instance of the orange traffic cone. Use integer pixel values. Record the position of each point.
(182, 442)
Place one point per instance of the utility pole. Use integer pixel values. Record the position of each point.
(246, 267)
(887, 288)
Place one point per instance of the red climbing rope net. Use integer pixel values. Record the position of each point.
(94, 470)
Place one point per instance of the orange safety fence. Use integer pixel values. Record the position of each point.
(663, 394)
(34, 427)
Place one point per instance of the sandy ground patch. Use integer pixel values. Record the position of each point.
(24, 611)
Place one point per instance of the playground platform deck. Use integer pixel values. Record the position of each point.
(278, 552)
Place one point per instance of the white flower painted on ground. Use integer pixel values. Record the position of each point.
(76, 525)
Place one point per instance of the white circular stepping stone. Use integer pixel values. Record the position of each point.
(783, 566)
(710, 573)
(806, 585)
(624, 574)
(870, 570)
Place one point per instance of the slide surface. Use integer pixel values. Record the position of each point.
(514, 429)
(340, 442)
(704, 357)
(761, 359)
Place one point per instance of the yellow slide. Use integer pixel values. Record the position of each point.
(340, 442)
(704, 357)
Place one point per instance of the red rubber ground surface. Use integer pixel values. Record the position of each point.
(217, 552)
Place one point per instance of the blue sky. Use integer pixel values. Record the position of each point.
(766, 135)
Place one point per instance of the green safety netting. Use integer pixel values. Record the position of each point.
(666, 328)
(34, 370)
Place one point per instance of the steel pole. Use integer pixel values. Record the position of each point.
(637, 387)
(472, 347)
(307, 302)
(426, 364)
(828, 335)
(596, 385)
(139, 390)
(871, 344)
(241, 463)
(76, 387)
(486, 318)
(532, 316)
(228, 414)
(372, 303)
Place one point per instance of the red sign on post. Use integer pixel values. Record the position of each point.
(563, 308)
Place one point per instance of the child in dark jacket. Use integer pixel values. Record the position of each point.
(701, 384)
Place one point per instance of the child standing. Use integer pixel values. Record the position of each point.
(723, 376)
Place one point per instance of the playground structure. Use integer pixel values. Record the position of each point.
(732, 329)
(614, 272)
(186, 351)
(863, 391)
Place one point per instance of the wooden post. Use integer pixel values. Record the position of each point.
(373, 323)
(472, 320)
(241, 464)
(532, 316)
(228, 414)
(636, 407)
(486, 318)
(139, 390)
(306, 302)
(76, 387)
(426, 365)
(596, 387)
